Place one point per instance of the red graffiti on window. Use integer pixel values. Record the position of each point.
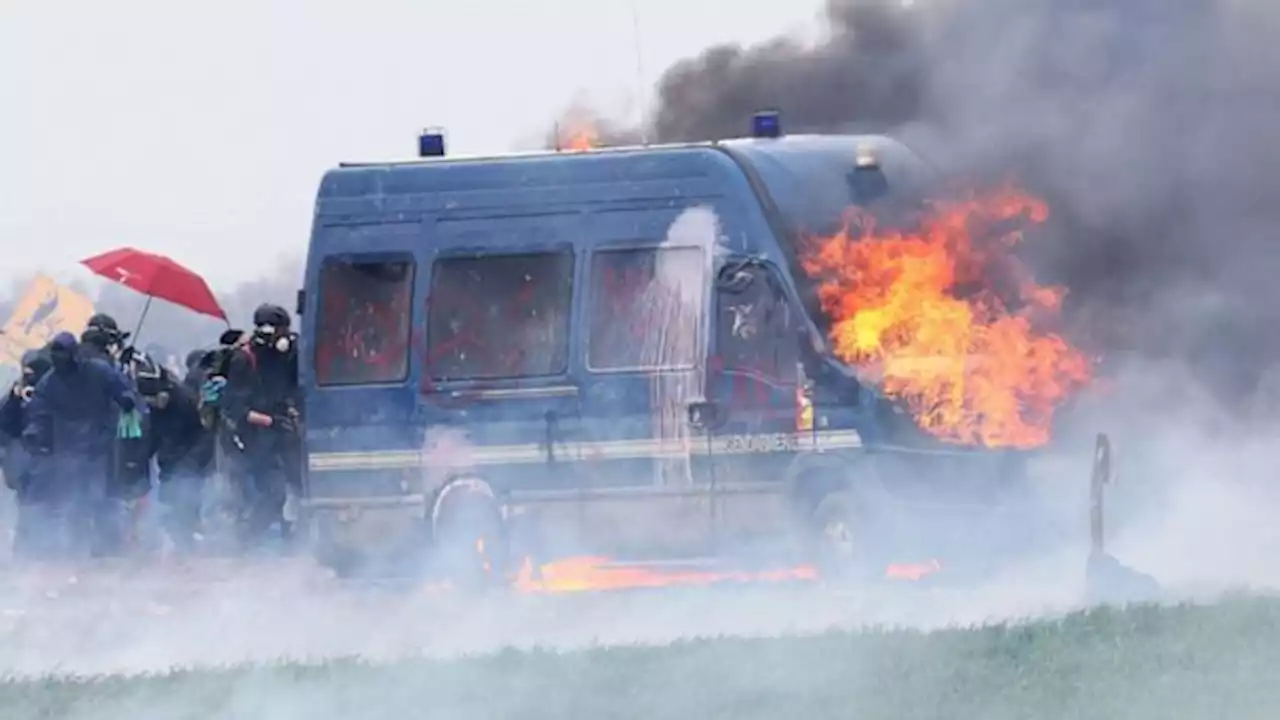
(364, 330)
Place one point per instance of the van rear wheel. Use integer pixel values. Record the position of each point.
(469, 539)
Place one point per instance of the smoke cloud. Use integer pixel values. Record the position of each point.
(1145, 123)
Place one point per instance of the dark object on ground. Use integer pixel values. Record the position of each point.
(1107, 580)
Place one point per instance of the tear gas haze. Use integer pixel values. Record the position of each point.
(1147, 126)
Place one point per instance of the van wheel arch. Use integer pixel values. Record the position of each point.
(813, 477)
(468, 532)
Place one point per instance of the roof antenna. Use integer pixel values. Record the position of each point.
(556, 129)
(642, 91)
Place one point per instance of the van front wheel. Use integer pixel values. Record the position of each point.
(839, 538)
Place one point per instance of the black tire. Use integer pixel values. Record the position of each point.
(840, 539)
(469, 540)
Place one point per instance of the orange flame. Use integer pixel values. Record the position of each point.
(912, 571)
(586, 574)
(578, 133)
(947, 320)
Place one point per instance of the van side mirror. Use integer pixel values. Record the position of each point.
(705, 415)
(734, 281)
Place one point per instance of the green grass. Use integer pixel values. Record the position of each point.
(1220, 661)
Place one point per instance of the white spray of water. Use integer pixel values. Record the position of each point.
(675, 336)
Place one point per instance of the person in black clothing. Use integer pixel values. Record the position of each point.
(129, 463)
(71, 422)
(184, 460)
(20, 466)
(261, 403)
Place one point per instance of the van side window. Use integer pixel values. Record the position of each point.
(643, 308)
(500, 316)
(755, 329)
(363, 331)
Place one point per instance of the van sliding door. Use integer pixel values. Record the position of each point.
(647, 290)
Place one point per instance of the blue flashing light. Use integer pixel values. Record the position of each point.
(431, 144)
(766, 124)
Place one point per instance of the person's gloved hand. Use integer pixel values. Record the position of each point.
(284, 423)
(130, 425)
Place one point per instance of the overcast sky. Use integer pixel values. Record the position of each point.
(201, 129)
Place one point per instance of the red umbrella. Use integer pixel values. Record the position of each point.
(156, 276)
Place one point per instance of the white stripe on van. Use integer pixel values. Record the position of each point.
(595, 451)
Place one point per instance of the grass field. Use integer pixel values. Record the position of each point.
(1220, 661)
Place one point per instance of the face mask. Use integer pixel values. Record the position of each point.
(268, 335)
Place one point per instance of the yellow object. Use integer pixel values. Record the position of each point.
(45, 310)
(804, 412)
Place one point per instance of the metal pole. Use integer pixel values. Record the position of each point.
(1100, 477)
(642, 91)
(138, 330)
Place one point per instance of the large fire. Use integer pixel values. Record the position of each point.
(946, 320)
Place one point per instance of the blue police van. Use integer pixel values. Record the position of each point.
(612, 351)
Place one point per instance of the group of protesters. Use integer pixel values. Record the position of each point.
(94, 426)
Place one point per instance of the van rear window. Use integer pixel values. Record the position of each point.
(499, 316)
(644, 308)
(363, 331)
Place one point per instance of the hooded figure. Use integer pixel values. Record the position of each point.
(13, 410)
(19, 465)
(72, 421)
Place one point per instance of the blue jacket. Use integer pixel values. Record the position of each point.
(75, 410)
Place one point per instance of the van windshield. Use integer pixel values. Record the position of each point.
(499, 316)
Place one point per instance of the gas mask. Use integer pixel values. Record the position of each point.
(27, 387)
(273, 337)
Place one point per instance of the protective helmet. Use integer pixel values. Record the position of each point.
(272, 315)
(102, 331)
(103, 321)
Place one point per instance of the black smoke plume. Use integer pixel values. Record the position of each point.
(1149, 125)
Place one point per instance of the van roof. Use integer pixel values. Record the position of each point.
(810, 141)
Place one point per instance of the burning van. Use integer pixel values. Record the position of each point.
(765, 347)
